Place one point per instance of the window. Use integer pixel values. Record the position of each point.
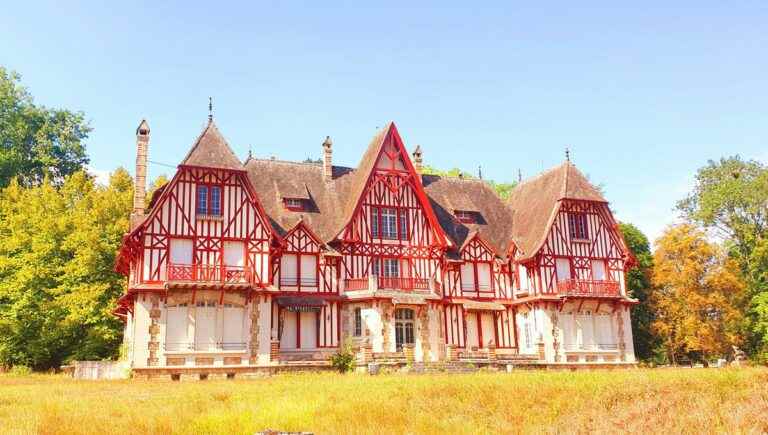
(294, 204)
(389, 223)
(358, 322)
(404, 327)
(298, 270)
(386, 267)
(465, 217)
(563, 266)
(598, 270)
(577, 226)
(208, 200)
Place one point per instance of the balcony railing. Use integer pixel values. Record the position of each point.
(390, 283)
(209, 273)
(292, 281)
(593, 347)
(584, 287)
(204, 347)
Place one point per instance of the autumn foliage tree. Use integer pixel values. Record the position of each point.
(698, 298)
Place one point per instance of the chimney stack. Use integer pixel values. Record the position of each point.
(140, 183)
(417, 162)
(327, 159)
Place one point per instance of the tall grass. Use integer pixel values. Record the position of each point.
(680, 400)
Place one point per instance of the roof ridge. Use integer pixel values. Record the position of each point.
(537, 176)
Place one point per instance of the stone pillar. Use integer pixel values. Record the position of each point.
(386, 323)
(255, 329)
(154, 332)
(540, 346)
(449, 352)
(424, 333)
(555, 336)
(408, 352)
(274, 351)
(492, 352)
(620, 334)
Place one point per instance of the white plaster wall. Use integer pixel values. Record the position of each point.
(372, 321)
(435, 326)
(141, 332)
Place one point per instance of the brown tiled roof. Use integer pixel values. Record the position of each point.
(364, 168)
(277, 179)
(494, 218)
(211, 150)
(535, 203)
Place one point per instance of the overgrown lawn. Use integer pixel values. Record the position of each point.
(661, 400)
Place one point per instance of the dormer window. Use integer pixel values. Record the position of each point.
(294, 204)
(208, 200)
(465, 217)
(577, 226)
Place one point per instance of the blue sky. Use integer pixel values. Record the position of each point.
(643, 95)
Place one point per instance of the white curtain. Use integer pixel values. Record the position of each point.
(563, 269)
(598, 270)
(234, 254)
(233, 325)
(308, 270)
(484, 276)
(205, 325)
(181, 251)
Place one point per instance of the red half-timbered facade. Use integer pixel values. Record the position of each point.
(264, 262)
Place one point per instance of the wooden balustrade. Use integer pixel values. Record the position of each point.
(209, 273)
(391, 283)
(585, 287)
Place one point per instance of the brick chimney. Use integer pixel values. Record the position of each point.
(417, 162)
(140, 183)
(327, 159)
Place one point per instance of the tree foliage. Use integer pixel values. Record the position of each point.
(35, 141)
(730, 198)
(57, 284)
(638, 281)
(502, 189)
(699, 295)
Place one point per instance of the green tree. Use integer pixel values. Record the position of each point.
(639, 284)
(730, 199)
(57, 284)
(502, 189)
(36, 141)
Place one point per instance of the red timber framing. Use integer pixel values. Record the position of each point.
(394, 184)
(479, 275)
(241, 224)
(580, 260)
(299, 248)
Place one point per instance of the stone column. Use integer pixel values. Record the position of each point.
(555, 336)
(620, 334)
(154, 332)
(424, 333)
(386, 324)
(255, 329)
(540, 346)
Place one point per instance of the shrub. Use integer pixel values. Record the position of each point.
(20, 370)
(344, 359)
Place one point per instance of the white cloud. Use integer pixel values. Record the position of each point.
(101, 176)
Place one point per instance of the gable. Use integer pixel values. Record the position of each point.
(387, 177)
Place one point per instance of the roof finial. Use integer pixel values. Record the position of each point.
(567, 154)
(519, 175)
(250, 152)
(210, 109)
(479, 172)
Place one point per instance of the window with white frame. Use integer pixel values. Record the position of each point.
(385, 267)
(389, 223)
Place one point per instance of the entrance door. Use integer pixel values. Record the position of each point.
(404, 327)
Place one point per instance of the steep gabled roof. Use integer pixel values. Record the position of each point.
(449, 194)
(535, 203)
(211, 150)
(359, 178)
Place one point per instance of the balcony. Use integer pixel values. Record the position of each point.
(590, 347)
(589, 288)
(390, 283)
(205, 347)
(209, 273)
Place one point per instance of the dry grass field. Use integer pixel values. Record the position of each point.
(662, 400)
